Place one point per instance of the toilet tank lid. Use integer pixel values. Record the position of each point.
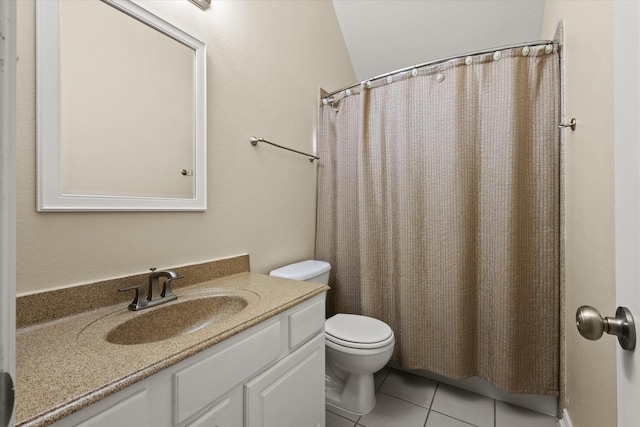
(302, 270)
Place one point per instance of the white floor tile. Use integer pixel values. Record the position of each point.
(390, 411)
(509, 415)
(464, 405)
(409, 387)
(403, 400)
(438, 420)
(333, 420)
(344, 414)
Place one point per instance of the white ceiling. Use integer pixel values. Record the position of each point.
(386, 35)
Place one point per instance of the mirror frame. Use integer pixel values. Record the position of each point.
(50, 196)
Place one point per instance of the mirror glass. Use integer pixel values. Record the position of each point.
(121, 115)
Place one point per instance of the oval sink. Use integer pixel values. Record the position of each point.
(176, 319)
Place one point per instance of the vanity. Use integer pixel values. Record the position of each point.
(260, 366)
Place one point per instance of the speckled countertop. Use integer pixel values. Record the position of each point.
(66, 364)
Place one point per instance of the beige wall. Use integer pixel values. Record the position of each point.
(590, 275)
(267, 60)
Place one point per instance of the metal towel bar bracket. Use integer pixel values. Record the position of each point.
(254, 141)
(572, 124)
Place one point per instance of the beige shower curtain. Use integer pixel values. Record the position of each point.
(438, 209)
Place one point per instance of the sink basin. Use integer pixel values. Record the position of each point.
(176, 319)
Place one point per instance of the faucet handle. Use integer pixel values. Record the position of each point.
(135, 304)
(167, 292)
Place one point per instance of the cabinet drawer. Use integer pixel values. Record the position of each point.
(133, 410)
(305, 323)
(204, 382)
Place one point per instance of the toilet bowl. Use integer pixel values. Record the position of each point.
(356, 347)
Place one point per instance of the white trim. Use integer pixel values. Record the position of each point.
(626, 78)
(565, 421)
(8, 188)
(50, 196)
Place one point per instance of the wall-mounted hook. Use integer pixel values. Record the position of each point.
(572, 124)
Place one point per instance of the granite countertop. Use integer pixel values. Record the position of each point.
(66, 364)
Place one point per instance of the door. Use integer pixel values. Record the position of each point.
(627, 184)
(7, 207)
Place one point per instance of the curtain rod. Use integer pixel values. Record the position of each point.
(440, 61)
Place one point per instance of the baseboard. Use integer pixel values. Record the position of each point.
(565, 421)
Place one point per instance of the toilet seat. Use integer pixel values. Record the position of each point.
(359, 332)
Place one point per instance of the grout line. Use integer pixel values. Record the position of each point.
(457, 419)
(495, 421)
(403, 400)
(338, 415)
(384, 379)
(431, 403)
(427, 420)
(434, 395)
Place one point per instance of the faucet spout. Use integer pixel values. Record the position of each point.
(155, 292)
(155, 295)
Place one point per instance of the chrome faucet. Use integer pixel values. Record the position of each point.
(153, 295)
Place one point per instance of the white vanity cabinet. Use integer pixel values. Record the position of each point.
(271, 374)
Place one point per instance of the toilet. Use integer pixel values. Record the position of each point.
(356, 346)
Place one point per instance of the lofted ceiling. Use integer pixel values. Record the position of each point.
(386, 35)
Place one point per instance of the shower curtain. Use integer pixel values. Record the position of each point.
(438, 209)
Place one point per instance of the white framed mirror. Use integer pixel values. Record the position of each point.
(121, 99)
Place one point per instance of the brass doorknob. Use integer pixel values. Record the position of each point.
(592, 325)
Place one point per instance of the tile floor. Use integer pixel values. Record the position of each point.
(406, 400)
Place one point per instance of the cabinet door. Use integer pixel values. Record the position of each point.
(225, 413)
(291, 393)
(218, 416)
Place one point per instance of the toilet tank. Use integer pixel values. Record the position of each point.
(310, 271)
